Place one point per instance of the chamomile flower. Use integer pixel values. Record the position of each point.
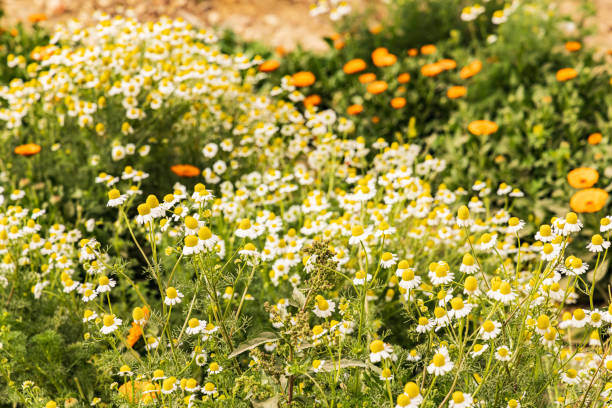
(424, 325)
(358, 234)
(214, 368)
(105, 284)
(200, 194)
(387, 260)
(598, 244)
(323, 308)
(549, 252)
(461, 400)
(209, 389)
(570, 376)
(89, 295)
(409, 280)
(89, 315)
(468, 264)
(514, 225)
(574, 266)
(144, 214)
(195, 326)
(317, 365)
(490, 329)
(110, 323)
(192, 245)
(440, 274)
(512, 403)
(173, 296)
(361, 277)
(503, 353)
(125, 371)
(605, 224)
(191, 385)
(460, 309)
(487, 241)
(441, 363)
(545, 233)
(115, 198)
(151, 343)
(463, 217)
(478, 349)
(169, 385)
(380, 350)
(386, 374)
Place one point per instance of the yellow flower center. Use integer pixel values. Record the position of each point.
(191, 241)
(458, 397)
(377, 346)
(488, 326)
(439, 360)
(463, 213)
(204, 233)
(543, 322)
(144, 209)
(114, 194)
(191, 222)
(171, 293)
(109, 320)
(470, 284)
(457, 303)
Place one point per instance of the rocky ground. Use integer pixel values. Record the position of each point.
(283, 23)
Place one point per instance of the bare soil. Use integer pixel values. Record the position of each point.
(283, 23)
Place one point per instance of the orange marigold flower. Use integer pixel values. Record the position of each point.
(14, 32)
(269, 66)
(375, 119)
(377, 87)
(413, 52)
(428, 49)
(28, 149)
(455, 92)
(471, 69)
(398, 103)
(354, 66)
(482, 127)
(134, 391)
(403, 78)
(185, 170)
(573, 46)
(431, 70)
(303, 78)
(367, 78)
(448, 63)
(565, 74)
(383, 58)
(339, 44)
(312, 100)
(280, 50)
(595, 138)
(134, 334)
(37, 17)
(376, 29)
(582, 177)
(354, 109)
(589, 200)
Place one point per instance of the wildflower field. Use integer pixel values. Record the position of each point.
(416, 217)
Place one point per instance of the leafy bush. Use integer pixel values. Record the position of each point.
(508, 72)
